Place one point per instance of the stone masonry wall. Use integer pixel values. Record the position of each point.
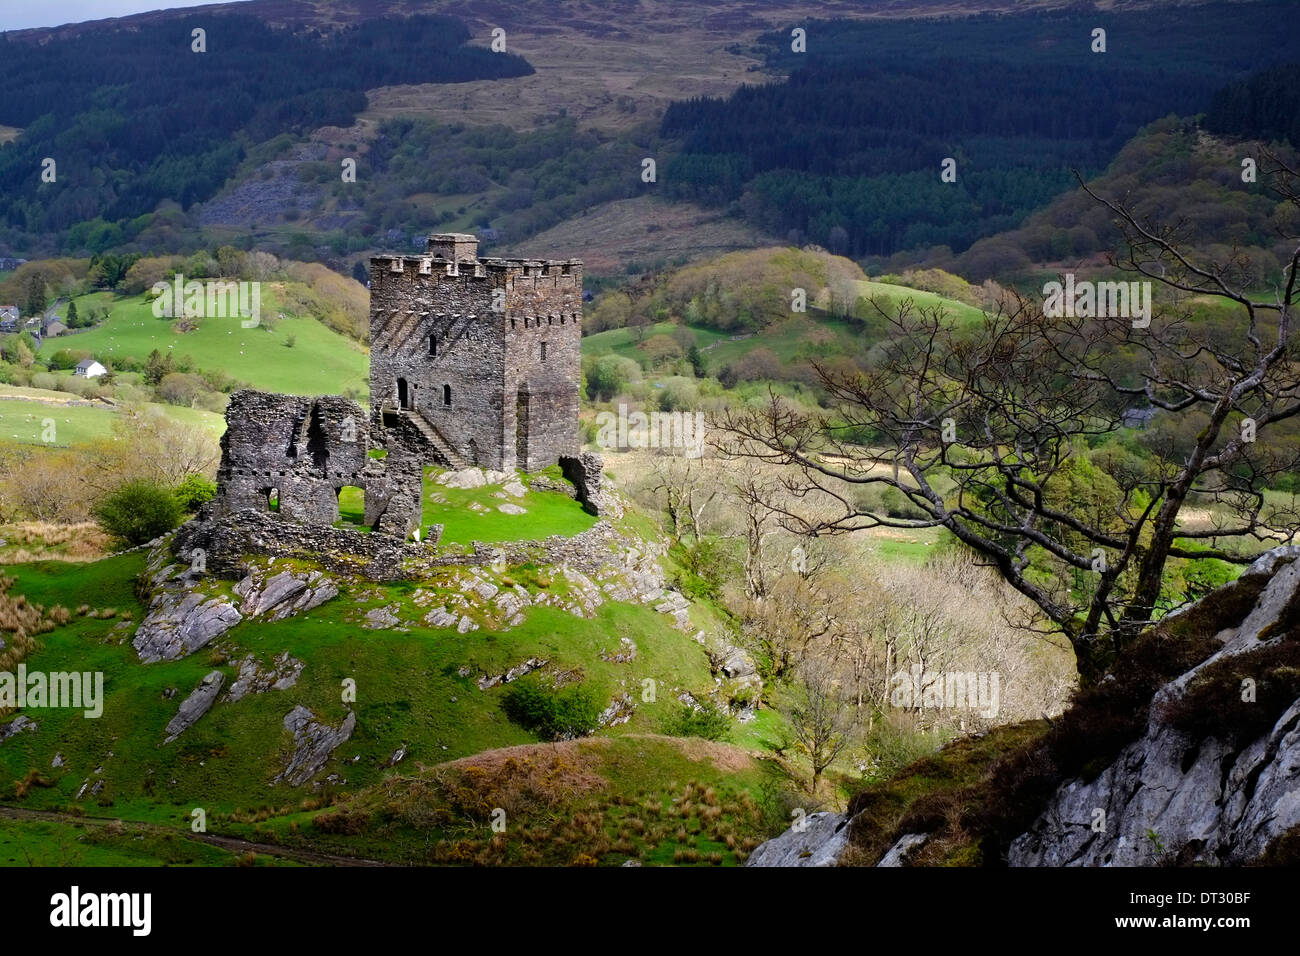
(458, 390)
(544, 306)
(465, 336)
(305, 450)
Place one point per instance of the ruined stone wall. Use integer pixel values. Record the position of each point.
(305, 450)
(226, 540)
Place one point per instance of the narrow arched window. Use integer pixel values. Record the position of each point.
(446, 395)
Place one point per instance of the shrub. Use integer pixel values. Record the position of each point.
(193, 491)
(609, 375)
(708, 721)
(137, 512)
(551, 714)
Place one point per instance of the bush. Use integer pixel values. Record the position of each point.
(194, 491)
(609, 375)
(551, 714)
(708, 721)
(138, 512)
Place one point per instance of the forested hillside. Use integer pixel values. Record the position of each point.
(135, 116)
(846, 153)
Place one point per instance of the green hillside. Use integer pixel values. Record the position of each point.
(23, 412)
(417, 690)
(792, 337)
(320, 361)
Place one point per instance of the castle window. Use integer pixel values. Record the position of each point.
(512, 322)
(543, 351)
(549, 318)
(561, 318)
(433, 344)
(446, 395)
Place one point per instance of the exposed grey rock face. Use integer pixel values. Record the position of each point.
(284, 594)
(16, 726)
(196, 705)
(1169, 797)
(255, 679)
(487, 681)
(586, 472)
(823, 839)
(619, 711)
(900, 851)
(313, 743)
(738, 664)
(381, 618)
(180, 622)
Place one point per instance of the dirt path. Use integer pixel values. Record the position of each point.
(234, 844)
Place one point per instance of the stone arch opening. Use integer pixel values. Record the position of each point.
(403, 394)
(352, 504)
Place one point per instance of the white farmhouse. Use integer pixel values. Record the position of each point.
(89, 368)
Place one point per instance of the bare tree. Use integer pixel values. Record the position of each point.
(985, 431)
(821, 718)
(687, 492)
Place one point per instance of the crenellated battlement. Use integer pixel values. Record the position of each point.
(561, 272)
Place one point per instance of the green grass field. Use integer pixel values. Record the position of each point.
(546, 513)
(60, 843)
(320, 362)
(802, 337)
(24, 421)
(889, 296)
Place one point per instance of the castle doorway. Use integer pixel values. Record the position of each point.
(403, 394)
(521, 429)
(352, 504)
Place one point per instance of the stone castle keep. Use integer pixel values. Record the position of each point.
(473, 362)
(482, 355)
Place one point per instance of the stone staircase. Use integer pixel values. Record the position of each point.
(440, 445)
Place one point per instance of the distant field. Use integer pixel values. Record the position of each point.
(799, 338)
(891, 295)
(320, 362)
(23, 422)
(624, 341)
(23, 412)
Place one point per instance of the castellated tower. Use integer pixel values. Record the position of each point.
(481, 356)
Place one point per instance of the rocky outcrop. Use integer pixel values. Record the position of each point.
(901, 851)
(255, 679)
(817, 840)
(186, 612)
(196, 705)
(488, 681)
(180, 622)
(313, 743)
(282, 595)
(1212, 778)
(1174, 796)
(16, 726)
